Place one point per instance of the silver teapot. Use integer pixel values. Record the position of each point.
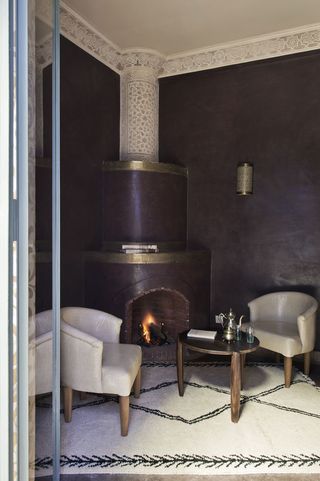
(230, 327)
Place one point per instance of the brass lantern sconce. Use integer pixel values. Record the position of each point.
(244, 178)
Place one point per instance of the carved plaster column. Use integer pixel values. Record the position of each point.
(139, 112)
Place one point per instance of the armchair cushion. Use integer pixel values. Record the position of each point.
(120, 365)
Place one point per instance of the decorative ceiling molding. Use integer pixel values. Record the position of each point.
(80, 32)
(142, 58)
(256, 48)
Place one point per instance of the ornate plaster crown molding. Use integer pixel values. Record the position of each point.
(142, 58)
(256, 48)
(80, 32)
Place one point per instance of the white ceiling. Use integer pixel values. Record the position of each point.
(174, 26)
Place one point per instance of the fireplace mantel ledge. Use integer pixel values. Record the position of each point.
(174, 257)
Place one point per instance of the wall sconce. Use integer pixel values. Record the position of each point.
(244, 178)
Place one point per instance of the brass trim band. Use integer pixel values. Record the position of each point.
(158, 258)
(133, 165)
(138, 165)
(116, 246)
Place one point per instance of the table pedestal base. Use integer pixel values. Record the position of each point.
(237, 352)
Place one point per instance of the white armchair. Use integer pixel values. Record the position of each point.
(92, 360)
(285, 322)
(43, 352)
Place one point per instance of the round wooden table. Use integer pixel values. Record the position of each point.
(237, 350)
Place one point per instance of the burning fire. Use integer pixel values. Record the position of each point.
(148, 320)
(152, 332)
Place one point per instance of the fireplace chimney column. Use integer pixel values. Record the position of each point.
(139, 111)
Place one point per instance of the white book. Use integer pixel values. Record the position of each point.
(201, 334)
(139, 251)
(139, 246)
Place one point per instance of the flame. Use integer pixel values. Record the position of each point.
(146, 322)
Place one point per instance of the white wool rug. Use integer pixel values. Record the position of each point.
(278, 430)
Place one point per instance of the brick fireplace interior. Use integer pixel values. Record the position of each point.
(165, 306)
(155, 318)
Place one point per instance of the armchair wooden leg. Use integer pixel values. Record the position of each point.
(67, 404)
(124, 414)
(307, 359)
(287, 370)
(137, 384)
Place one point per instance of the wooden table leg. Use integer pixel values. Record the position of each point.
(235, 382)
(180, 367)
(243, 364)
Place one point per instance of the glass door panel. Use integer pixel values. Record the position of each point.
(47, 231)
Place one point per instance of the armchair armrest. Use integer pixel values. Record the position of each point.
(99, 324)
(43, 363)
(307, 328)
(44, 338)
(81, 359)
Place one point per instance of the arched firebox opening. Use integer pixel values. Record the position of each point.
(156, 317)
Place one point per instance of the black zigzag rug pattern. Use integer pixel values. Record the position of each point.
(168, 461)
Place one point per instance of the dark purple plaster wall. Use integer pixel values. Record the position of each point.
(268, 113)
(90, 110)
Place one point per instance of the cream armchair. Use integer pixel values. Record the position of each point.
(285, 322)
(92, 360)
(43, 352)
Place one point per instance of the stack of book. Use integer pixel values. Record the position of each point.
(139, 248)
